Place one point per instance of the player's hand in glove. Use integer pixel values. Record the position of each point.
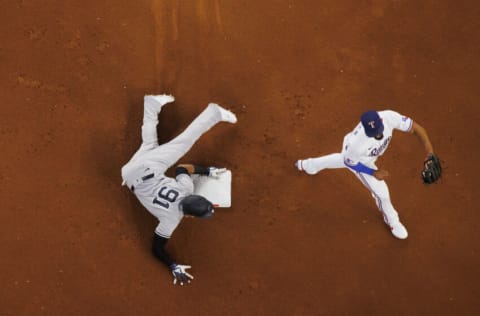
(180, 274)
(432, 169)
(215, 172)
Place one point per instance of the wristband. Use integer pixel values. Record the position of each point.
(201, 170)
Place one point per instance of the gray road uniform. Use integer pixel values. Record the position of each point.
(144, 174)
(161, 197)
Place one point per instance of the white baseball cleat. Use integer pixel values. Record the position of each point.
(399, 231)
(156, 102)
(162, 98)
(226, 115)
(298, 165)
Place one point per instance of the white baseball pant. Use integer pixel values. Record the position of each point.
(378, 188)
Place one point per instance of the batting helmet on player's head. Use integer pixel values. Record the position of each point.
(196, 205)
(372, 123)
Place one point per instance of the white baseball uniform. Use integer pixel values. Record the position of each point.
(144, 173)
(359, 148)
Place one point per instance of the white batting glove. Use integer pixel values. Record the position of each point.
(215, 172)
(180, 274)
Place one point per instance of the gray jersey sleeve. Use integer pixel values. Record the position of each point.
(168, 224)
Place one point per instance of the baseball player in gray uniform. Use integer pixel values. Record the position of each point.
(361, 148)
(170, 199)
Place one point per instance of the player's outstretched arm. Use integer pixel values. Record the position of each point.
(158, 249)
(432, 167)
(422, 135)
(180, 275)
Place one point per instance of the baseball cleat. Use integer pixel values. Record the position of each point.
(399, 231)
(298, 165)
(226, 115)
(162, 98)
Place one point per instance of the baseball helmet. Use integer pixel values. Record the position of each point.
(372, 123)
(196, 205)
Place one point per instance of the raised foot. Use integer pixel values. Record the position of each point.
(399, 231)
(298, 165)
(226, 115)
(162, 98)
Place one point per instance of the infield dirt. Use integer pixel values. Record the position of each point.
(298, 74)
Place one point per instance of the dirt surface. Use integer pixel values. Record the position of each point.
(298, 74)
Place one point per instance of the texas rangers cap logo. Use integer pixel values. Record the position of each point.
(372, 123)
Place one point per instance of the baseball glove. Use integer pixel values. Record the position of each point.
(432, 169)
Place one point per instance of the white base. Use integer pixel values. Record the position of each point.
(216, 190)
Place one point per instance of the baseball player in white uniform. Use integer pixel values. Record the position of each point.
(170, 199)
(360, 150)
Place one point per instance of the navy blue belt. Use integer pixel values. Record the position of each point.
(144, 178)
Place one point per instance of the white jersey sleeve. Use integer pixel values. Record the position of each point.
(397, 121)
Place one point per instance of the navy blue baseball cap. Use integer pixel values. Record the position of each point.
(372, 123)
(197, 205)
